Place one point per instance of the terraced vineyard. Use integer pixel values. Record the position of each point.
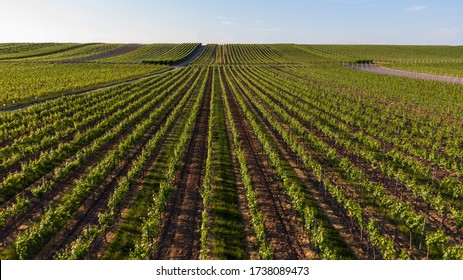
(248, 152)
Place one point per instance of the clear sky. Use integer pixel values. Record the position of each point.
(233, 21)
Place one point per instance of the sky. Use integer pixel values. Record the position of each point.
(422, 22)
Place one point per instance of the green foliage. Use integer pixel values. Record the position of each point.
(34, 50)
(384, 153)
(145, 52)
(391, 53)
(177, 54)
(21, 82)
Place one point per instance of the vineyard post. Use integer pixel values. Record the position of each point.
(422, 234)
(61, 187)
(432, 179)
(410, 238)
(150, 249)
(323, 184)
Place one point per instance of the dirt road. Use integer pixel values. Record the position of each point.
(387, 71)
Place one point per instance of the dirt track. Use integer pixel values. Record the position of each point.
(197, 53)
(387, 71)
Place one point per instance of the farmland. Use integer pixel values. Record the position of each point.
(248, 152)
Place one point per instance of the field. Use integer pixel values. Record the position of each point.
(235, 151)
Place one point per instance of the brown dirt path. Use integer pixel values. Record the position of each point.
(402, 73)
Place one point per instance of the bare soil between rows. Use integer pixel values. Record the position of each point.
(180, 238)
(281, 232)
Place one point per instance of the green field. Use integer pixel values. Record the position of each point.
(249, 151)
(22, 82)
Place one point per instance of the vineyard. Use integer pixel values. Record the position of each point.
(247, 152)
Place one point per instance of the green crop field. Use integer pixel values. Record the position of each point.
(25, 82)
(232, 151)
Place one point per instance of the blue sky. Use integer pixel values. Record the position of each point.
(234, 21)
